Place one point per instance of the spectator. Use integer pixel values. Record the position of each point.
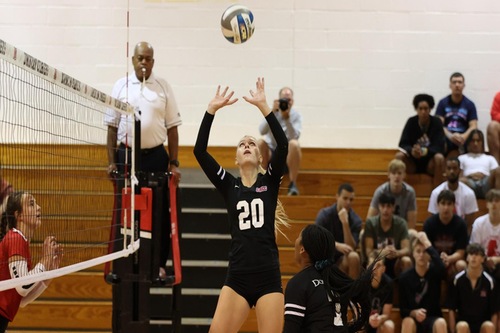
(291, 122)
(422, 142)
(404, 194)
(458, 114)
(387, 234)
(447, 233)
(381, 298)
(420, 290)
(486, 232)
(473, 297)
(493, 131)
(465, 199)
(345, 226)
(479, 171)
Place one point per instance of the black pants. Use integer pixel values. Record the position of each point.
(4, 322)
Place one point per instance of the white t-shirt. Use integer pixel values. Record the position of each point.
(486, 234)
(465, 199)
(157, 106)
(472, 163)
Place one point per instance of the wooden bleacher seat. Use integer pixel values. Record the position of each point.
(81, 302)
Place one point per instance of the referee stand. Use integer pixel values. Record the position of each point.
(136, 307)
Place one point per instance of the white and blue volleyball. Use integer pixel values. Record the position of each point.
(237, 24)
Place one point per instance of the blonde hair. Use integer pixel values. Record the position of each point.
(280, 217)
(396, 165)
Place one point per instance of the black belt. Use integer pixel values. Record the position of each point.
(144, 151)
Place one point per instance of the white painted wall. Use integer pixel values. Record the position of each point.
(355, 65)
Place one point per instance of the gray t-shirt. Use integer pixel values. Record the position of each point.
(405, 200)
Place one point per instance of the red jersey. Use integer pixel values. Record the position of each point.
(495, 108)
(14, 243)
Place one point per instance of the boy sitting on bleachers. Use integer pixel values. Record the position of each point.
(472, 296)
(420, 290)
(447, 233)
(405, 204)
(465, 199)
(387, 234)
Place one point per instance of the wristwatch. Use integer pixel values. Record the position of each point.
(174, 163)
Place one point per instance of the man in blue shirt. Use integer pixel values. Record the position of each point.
(458, 114)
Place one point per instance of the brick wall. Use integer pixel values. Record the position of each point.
(354, 65)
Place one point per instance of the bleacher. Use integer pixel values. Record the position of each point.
(81, 302)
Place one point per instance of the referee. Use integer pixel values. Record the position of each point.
(155, 105)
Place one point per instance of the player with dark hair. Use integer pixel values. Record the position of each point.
(5, 190)
(253, 277)
(18, 223)
(317, 298)
(422, 143)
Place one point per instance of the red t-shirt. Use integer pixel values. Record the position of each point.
(495, 108)
(14, 243)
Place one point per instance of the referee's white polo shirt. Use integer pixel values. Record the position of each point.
(157, 105)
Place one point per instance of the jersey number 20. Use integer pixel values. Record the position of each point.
(252, 213)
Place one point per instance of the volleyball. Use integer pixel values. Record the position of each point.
(237, 24)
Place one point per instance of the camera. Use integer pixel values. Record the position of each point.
(284, 104)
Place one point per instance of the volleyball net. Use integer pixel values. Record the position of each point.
(53, 146)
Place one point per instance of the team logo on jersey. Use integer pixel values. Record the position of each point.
(317, 282)
(261, 189)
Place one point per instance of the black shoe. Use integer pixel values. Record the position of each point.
(292, 189)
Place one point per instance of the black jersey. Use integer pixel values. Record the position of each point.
(381, 295)
(308, 307)
(473, 305)
(251, 210)
(417, 291)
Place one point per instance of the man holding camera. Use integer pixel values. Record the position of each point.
(291, 122)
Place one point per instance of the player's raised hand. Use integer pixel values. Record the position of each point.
(258, 97)
(220, 100)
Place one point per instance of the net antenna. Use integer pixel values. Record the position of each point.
(53, 146)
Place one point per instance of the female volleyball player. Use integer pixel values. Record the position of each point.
(253, 277)
(318, 297)
(18, 223)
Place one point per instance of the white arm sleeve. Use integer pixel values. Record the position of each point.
(37, 290)
(19, 268)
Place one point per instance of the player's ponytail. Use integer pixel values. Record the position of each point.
(8, 220)
(319, 244)
(281, 219)
(3, 226)
(280, 216)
